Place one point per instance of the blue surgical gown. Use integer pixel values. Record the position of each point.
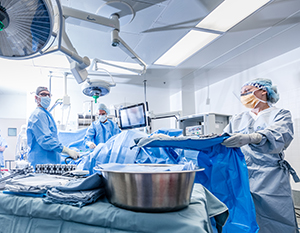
(42, 139)
(268, 172)
(4, 144)
(99, 132)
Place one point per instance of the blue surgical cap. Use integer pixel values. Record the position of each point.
(265, 84)
(103, 107)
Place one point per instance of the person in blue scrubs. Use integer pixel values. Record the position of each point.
(3, 146)
(102, 130)
(42, 140)
(263, 133)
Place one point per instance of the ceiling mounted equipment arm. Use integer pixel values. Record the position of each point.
(94, 66)
(117, 41)
(112, 22)
(77, 63)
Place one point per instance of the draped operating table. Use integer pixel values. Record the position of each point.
(20, 214)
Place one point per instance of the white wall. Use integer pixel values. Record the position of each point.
(13, 106)
(5, 123)
(175, 105)
(284, 71)
(12, 115)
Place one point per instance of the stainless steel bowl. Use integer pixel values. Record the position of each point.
(149, 191)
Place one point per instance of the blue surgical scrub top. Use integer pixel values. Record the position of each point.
(99, 132)
(42, 139)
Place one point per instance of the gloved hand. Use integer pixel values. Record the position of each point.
(72, 153)
(91, 145)
(238, 139)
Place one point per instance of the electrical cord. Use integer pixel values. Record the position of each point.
(66, 159)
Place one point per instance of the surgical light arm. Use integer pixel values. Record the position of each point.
(117, 41)
(94, 66)
(112, 23)
(77, 63)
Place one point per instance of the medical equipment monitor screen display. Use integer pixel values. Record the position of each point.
(132, 116)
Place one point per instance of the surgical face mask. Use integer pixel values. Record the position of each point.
(45, 102)
(249, 100)
(102, 118)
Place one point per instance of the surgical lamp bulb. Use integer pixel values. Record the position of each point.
(95, 97)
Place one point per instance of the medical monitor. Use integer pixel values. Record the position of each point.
(133, 116)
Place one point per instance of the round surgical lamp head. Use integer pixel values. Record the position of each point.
(25, 27)
(96, 88)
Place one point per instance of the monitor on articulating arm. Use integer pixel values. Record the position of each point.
(133, 116)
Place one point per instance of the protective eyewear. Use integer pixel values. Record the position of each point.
(247, 93)
(45, 94)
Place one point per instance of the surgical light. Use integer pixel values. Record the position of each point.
(229, 13)
(186, 47)
(96, 88)
(37, 27)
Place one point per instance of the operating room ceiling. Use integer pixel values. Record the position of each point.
(159, 24)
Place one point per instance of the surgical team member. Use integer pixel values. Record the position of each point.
(3, 146)
(42, 139)
(263, 133)
(102, 130)
(21, 147)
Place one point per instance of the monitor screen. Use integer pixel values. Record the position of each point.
(132, 116)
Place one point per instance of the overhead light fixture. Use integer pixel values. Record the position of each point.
(186, 47)
(229, 13)
(225, 16)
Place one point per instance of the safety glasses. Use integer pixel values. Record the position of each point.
(250, 91)
(247, 93)
(43, 94)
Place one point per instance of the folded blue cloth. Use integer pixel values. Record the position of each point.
(74, 198)
(24, 194)
(92, 182)
(79, 192)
